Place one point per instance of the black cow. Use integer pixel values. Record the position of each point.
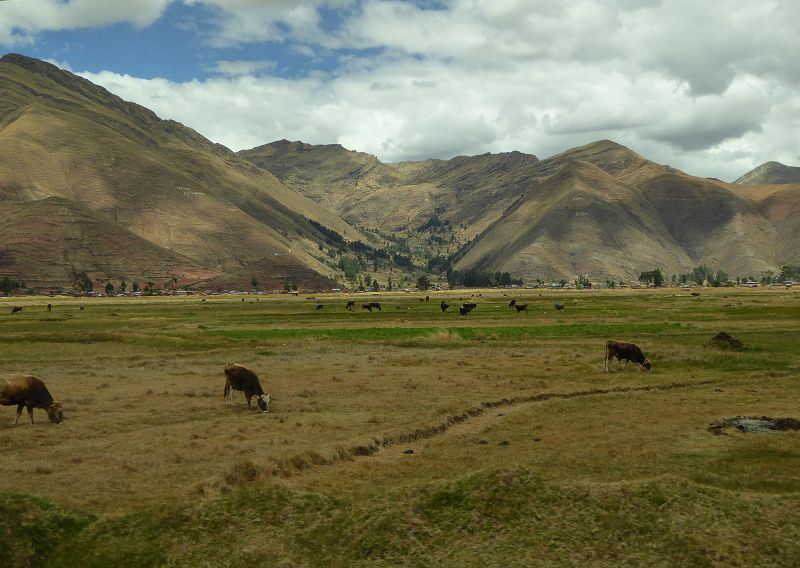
(376, 305)
(444, 306)
(319, 307)
(512, 303)
(366, 307)
(16, 310)
(522, 308)
(239, 377)
(350, 305)
(559, 306)
(624, 350)
(49, 307)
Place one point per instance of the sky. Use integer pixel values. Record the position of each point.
(711, 87)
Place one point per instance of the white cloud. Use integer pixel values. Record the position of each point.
(700, 86)
(21, 20)
(240, 67)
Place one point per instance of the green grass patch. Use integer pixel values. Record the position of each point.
(467, 333)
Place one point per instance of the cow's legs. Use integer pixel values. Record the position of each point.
(20, 406)
(30, 413)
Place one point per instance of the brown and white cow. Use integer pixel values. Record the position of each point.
(27, 391)
(624, 350)
(238, 377)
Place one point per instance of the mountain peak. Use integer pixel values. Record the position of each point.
(770, 173)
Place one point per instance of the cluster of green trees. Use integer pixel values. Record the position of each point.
(654, 277)
(9, 285)
(473, 278)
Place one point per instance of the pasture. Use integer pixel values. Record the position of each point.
(524, 451)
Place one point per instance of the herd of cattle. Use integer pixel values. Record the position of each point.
(29, 392)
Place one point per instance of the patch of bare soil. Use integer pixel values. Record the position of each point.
(754, 424)
(726, 342)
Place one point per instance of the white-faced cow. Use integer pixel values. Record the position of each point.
(238, 377)
(624, 350)
(29, 392)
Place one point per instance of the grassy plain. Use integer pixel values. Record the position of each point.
(577, 466)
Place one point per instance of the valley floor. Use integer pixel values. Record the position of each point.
(405, 436)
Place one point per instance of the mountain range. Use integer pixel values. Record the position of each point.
(91, 184)
(95, 187)
(599, 210)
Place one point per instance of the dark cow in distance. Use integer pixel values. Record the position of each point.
(319, 307)
(522, 308)
(16, 310)
(27, 391)
(512, 303)
(375, 305)
(470, 305)
(49, 307)
(238, 377)
(366, 307)
(444, 305)
(466, 308)
(624, 350)
(350, 305)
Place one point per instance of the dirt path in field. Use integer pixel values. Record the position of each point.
(473, 421)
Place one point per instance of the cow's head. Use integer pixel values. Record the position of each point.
(647, 365)
(56, 412)
(263, 402)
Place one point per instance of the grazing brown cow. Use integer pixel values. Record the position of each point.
(28, 391)
(239, 377)
(624, 350)
(350, 305)
(522, 308)
(16, 310)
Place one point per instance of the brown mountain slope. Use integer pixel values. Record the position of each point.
(581, 220)
(62, 136)
(58, 241)
(714, 225)
(470, 192)
(771, 173)
(614, 214)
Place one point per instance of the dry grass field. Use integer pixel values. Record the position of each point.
(524, 451)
